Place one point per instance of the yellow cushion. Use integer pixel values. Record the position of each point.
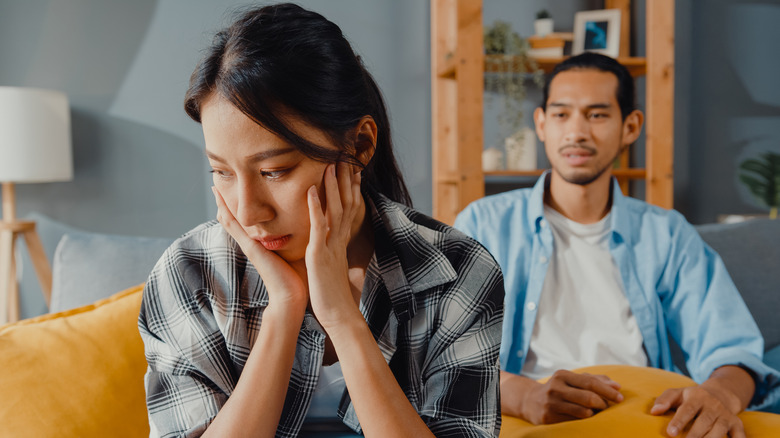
(77, 373)
(631, 417)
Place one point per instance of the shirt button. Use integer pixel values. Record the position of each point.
(542, 259)
(531, 306)
(519, 353)
(543, 223)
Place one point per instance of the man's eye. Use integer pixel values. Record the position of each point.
(598, 115)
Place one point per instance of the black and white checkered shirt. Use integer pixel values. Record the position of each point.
(432, 297)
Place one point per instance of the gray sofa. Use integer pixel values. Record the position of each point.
(751, 252)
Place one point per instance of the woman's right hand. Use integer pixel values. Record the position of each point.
(286, 289)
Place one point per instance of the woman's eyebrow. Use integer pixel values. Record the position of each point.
(260, 156)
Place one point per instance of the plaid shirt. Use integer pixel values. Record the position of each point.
(432, 297)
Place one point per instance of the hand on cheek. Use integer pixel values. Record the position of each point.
(326, 253)
(285, 287)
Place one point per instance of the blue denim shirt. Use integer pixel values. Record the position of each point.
(675, 284)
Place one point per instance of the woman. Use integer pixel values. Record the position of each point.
(316, 265)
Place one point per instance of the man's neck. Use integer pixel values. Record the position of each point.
(585, 204)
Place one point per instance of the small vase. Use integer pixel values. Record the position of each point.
(543, 27)
(521, 150)
(492, 159)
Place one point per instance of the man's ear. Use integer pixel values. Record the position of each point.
(365, 139)
(632, 126)
(539, 119)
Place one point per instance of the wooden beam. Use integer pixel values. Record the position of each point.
(470, 84)
(625, 24)
(660, 103)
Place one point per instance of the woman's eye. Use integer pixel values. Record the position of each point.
(274, 174)
(220, 173)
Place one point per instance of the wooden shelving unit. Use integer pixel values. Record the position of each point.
(458, 64)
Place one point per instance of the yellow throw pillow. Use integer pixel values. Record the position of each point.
(77, 373)
(631, 417)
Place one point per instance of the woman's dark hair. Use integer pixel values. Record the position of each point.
(283, 59)
(626, 96)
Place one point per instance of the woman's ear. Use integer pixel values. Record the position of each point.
(365, 139)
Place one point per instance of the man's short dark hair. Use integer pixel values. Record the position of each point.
(626, 95)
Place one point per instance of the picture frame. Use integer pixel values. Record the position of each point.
(597, 31)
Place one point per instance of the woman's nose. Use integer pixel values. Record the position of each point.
(254, 204)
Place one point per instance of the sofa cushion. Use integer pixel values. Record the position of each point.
(631, 417)
(77, 373)
(751, 253)
(88, 266)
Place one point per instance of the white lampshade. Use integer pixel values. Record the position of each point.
(35, 144)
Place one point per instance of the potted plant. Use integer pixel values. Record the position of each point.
(761, 175)
(543, 25)
(507, 67)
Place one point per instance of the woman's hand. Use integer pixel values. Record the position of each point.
(326, 255)
(286, 289)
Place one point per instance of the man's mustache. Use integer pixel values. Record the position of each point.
(589, 149)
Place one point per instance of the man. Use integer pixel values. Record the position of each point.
(593, 277)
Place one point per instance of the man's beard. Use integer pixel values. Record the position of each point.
(583, 180)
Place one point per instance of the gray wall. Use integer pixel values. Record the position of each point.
(733, 110)
(125, 65)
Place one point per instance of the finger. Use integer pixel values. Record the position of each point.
(671, 398)
(737, 430)
(717, 429)
(344, 174)
(357, 196)
(318, 223)
(573, 410)
(708, 425)
(585, 398)
(596, 385)
(227, 220)
(608, 381)
(333, 208)
(685, 414)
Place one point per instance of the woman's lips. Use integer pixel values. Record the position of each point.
(274, 243)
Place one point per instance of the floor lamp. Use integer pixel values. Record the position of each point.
(35, 146)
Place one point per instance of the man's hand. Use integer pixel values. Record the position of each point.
(710, 409)
(565, 396)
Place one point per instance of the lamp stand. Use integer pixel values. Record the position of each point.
(10, 228)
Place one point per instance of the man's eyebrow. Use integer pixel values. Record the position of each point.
(260, 156)
(598, 105)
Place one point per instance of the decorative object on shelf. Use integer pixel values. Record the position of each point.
(543, 25)
(35, 146)
(492, 159)
(761, 175)
(597, 31)
(550, 46)
(521, 150)
(507, 67)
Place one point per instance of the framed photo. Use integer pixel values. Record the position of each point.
(597, 31)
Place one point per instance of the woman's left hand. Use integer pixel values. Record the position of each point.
(327, 268)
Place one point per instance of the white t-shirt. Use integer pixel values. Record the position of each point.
(583, 316)
(327, 395)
